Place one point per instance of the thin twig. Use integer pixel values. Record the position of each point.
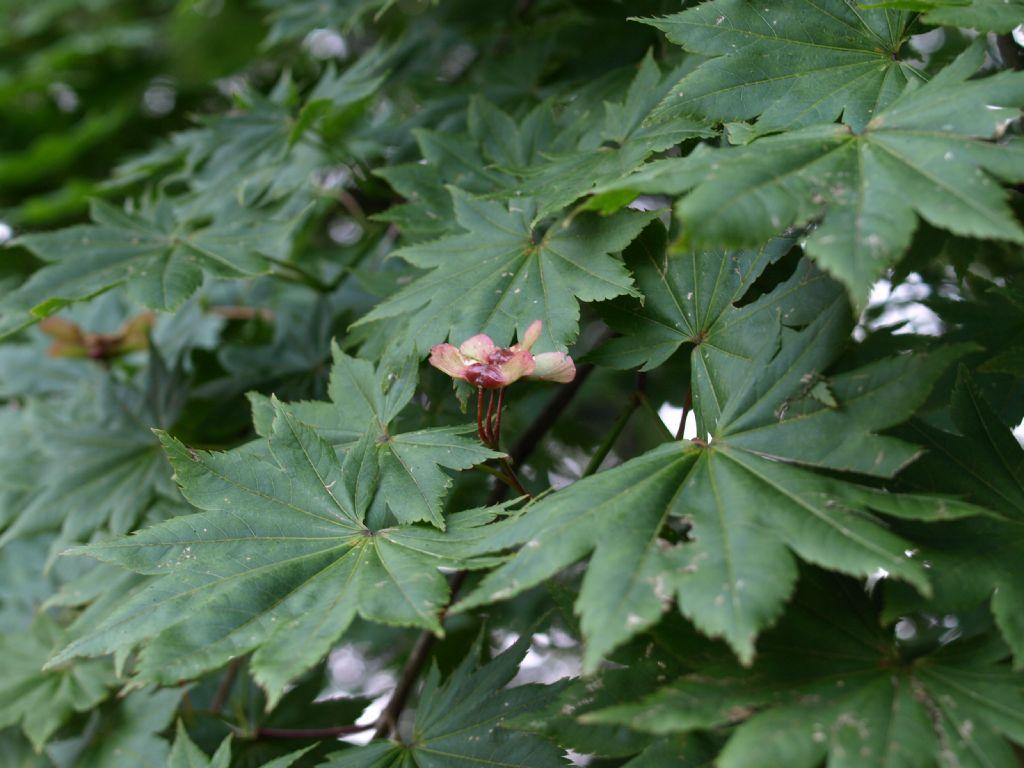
(539, 427)
(514, 480)
(227, 682)
(609, 441)
(351, 204)
(1010, 51)
(481, 432)
(496, 432)
(645, 403)
(387, 723)
(492, 442)
(233, 312)
(311, 733)
(687, 407)
(299, 275)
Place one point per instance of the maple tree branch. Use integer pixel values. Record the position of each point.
(606, 445)
(687, 407)
(646, 404)
(513, 479)
(311, 733)
(297, 274)
(539, 427)
(227, 682)
(387, 723)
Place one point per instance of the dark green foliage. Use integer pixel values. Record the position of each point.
(242, 517)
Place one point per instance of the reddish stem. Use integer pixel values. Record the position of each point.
(496, 432)
(480, 415)
(490, 416)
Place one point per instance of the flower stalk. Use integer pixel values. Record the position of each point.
(485, 365)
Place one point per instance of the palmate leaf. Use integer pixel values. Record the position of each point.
(279, 562)
(751, 509)
(160, 262)
(43, 701)
(676, 752)
(834, 686)
(790, 63)
(639, 668)
(981, 562)
(690, 298)
(991, 315)
(459, 161)
(551, 160)
(403, 468)
(127, 735)
(624, 140)
(501, 274)
(97, 463)
(983, 15)
(294, 20)
(185, 754)
(267, 151)
(16, 751)
(920, 157)
(459, 723)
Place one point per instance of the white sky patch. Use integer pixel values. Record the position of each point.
(671, 416)
(353, 673)
(902, 304)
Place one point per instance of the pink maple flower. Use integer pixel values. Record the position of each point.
(480, 362)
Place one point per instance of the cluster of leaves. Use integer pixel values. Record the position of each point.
(237, 507)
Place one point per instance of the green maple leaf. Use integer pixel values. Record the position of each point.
(19, 462)
(985, 15)
(428, 212)
(185, 754)
(991, 315)
(15, 750)
(835, 687)
(975, 563)
(459, 723)
(43, 701)
(923, 156)
(359, 419)
(126, 735)
(267, 151)
(623, 141)
(293, 20)
(501, 274)
(789, 63)
(551, 162)
(98, 464)
(676, 752)
(279, 561)
(689, 299)
(751, 506)
(158, 260)
(641, 667)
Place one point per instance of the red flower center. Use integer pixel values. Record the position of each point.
(500, 355)
(485, 375)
